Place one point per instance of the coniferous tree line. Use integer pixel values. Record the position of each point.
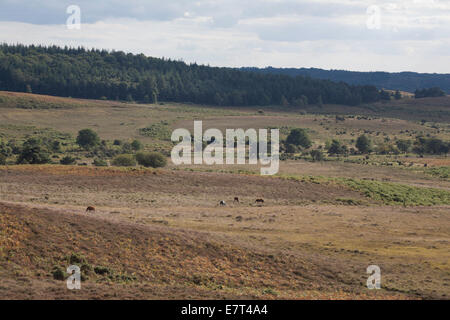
(403, 81)
(429, 92)
(115, 75)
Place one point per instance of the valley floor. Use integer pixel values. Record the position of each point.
(160, 234)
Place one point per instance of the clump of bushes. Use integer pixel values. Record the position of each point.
(102, 270)
(87, 139)
(58, 273)
(317, 155)
(124, 160)
(336, 147)
(152, 159)
(363, 144)
(136, 145)
(100, 163)
(67, 160)
(299, 137)
(33, 152)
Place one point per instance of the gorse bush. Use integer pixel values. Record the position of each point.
(431, 146)
(87, 139)
(33, 152)
(124, 160)
(316, 155)
(136, 145)
(363, 144)
(153, 159)
(337, 148)
(299, 137)
(67, 160)
(100, 163)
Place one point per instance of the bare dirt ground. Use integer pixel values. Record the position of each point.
(162, 235)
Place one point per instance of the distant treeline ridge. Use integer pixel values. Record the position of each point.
(101, 74)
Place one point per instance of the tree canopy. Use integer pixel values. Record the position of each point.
(101, 74)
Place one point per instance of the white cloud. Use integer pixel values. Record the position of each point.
(414, 34)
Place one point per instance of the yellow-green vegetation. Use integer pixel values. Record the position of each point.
(395, 193)
(161, 233)
(386, 192)
(160, 131)
(440, 172)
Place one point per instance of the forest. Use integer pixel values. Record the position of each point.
(403, 81)
(115, 75)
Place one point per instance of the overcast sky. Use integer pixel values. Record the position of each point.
(366, 35)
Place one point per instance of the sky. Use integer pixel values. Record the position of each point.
(365, 35)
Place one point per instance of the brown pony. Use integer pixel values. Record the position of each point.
(236, 199)
(259, 201)
(90, 209)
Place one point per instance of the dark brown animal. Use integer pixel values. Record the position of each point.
(259, 201)
(236, 199)
(90, 209)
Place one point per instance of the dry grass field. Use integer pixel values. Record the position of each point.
(161, 234)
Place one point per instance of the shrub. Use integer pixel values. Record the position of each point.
(299, 137)
(67, 160)
(58, 273)
(337, 148)
(100, 163)
(124, 160)
(290, 148)
(102, 270)
(316, 155)
(2, 159)
(87, 139)
(386, 148)
(363, 144)
(431, 146)
(404, 145)
(117, 142)
(76, 258)
(56, 146)
(33, 153)
(153, 159)
(126, 148)
(136, 145)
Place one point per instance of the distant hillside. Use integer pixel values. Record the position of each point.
(403, 81)
(100, 74)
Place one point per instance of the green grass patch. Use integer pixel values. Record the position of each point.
(397, 194)
(386, 192)
(440, 172)
(160, 131)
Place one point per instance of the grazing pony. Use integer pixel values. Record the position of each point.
(260, 201)
(222, 203)
(90, 209)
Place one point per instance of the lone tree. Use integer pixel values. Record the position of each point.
(363, 144)
(299, 137)
(87, 139)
